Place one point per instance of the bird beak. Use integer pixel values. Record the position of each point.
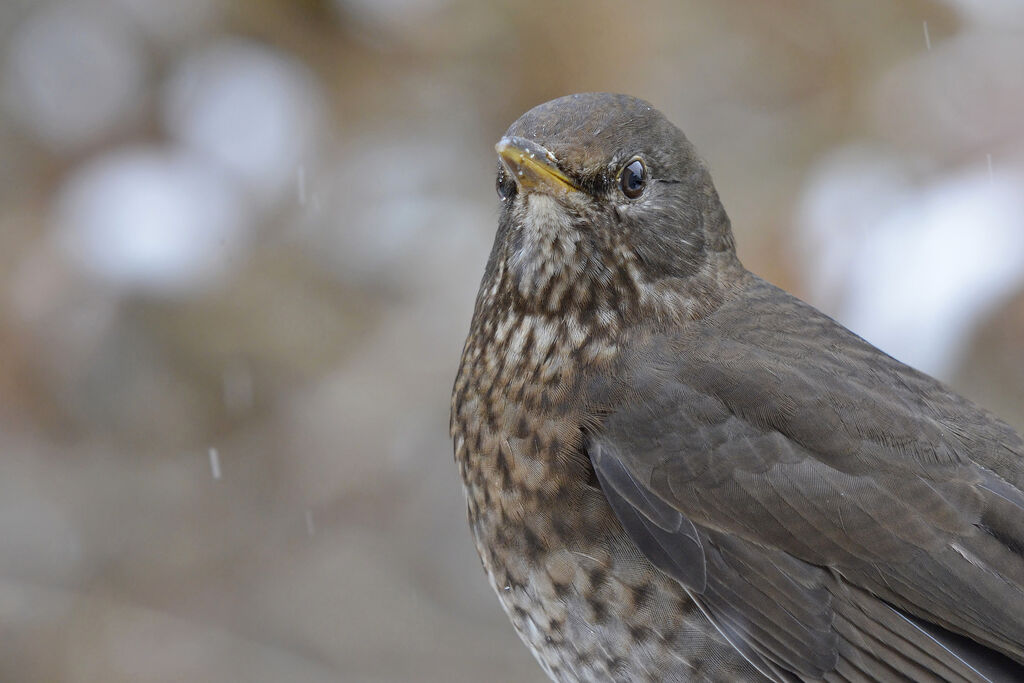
(533, 167)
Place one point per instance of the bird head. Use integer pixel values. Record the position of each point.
(601, 190)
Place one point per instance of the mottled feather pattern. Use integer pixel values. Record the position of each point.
(676, 471)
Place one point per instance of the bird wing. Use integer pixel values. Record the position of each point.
(796, 487)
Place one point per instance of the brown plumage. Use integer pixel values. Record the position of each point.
(676, 471)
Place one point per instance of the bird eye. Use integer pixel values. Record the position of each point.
(633, 179)
(505, 186)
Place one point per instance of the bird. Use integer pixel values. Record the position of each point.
(676, 471)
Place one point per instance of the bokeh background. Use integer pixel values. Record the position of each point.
(239, 246)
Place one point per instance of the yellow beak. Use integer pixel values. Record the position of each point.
(533, 167)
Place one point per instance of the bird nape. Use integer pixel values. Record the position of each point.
(677, 471)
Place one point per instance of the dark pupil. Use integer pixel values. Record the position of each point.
(633, 179)
(504, 185)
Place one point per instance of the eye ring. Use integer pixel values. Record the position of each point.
(633, 178)
(504, 185)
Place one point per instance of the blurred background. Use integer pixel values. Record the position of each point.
(239, 245)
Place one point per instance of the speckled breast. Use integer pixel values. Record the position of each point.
(580, 595)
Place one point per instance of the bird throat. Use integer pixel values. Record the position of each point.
(547, 253)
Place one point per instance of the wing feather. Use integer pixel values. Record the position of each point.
(826, 507)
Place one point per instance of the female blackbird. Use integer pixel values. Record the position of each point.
(676, 471)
